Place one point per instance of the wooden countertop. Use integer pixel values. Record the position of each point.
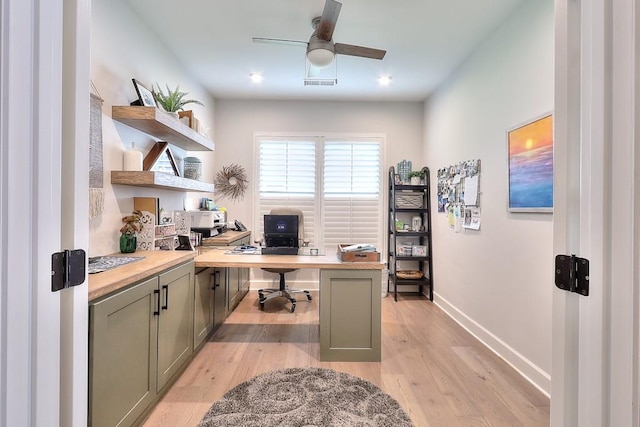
(154, 262)
(216, 257)
(225, 238)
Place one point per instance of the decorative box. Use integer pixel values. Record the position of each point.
(357, 256)
(165, 230)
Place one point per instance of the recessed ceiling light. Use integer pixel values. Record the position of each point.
(256, 77)
(384, 80)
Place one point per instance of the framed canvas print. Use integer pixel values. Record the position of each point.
(145, 95)
(530, 154)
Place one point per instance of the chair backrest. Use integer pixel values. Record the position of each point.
(293, 211)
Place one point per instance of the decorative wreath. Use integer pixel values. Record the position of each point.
(231, 182)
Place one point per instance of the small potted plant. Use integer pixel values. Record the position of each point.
(174, 100)
(132, 225)
(416, 177)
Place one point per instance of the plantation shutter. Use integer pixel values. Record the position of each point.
(287, 178)
(351, 193)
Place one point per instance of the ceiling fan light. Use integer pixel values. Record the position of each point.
(320, 57)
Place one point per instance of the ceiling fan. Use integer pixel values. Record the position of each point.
(321, 49)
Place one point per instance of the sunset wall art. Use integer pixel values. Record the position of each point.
(531, 166)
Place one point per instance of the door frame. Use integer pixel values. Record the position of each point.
(595, 338)
(44, 122)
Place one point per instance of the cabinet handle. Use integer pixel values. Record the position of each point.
(216, 279)
(156, 295)
(166, 297)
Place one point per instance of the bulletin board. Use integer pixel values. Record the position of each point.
(459, 195)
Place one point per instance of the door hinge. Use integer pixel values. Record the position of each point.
(67, 269)
(572, 274)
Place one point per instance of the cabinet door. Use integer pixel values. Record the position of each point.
(233, 286)
(244, 281)
(122, 351)
(203, 306)
(175, 323)
(350, 318)
(220, 296)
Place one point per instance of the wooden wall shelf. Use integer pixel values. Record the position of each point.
(163, 126)
(159, 180)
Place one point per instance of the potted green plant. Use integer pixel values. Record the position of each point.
(132, 225)
(173, 100)
(416, 177)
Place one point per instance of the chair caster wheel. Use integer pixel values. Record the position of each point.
(293, 308)
(262, 306)
(309, 297)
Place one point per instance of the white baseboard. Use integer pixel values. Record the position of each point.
(531, 372)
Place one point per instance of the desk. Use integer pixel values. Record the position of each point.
(350, 299)
(228, 238)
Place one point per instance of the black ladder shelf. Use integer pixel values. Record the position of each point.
(410, 249)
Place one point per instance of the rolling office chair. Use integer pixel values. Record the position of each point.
(283, 291)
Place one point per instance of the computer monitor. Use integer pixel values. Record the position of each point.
(281, 230)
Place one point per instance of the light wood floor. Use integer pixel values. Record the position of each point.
(439, 374)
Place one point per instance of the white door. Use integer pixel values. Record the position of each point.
(44, 127)
(594, 372)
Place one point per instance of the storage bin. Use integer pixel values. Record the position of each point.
(404, 249)
(361, 256)
(409, 200)
(192, 168)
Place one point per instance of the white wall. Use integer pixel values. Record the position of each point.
(122, 48)
(238, 120)
(497, 281)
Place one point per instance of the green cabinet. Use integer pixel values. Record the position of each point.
(138, 339)
(237, 286)
(175, 337)
(350, 318)
(220, 296)
(210, 302)
(218, 291)
(122, 350)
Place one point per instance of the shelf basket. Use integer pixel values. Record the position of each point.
(409, 274)
(409, 201)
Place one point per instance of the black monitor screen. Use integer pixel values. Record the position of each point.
(281, 230)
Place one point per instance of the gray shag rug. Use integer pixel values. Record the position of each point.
(306, 397)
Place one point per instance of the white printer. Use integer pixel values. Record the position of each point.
(209, 223)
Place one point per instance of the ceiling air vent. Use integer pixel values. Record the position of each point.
(320, 82)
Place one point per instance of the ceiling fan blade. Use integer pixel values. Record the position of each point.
(365, 52)
(328, 20)
(278, 41)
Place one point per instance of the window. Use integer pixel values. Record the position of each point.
(335, 181)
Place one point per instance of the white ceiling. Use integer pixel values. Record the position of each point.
(425, 41)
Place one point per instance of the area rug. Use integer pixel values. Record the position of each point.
(306, 397)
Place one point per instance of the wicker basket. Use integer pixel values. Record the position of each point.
(409, 201)
(409, 274)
